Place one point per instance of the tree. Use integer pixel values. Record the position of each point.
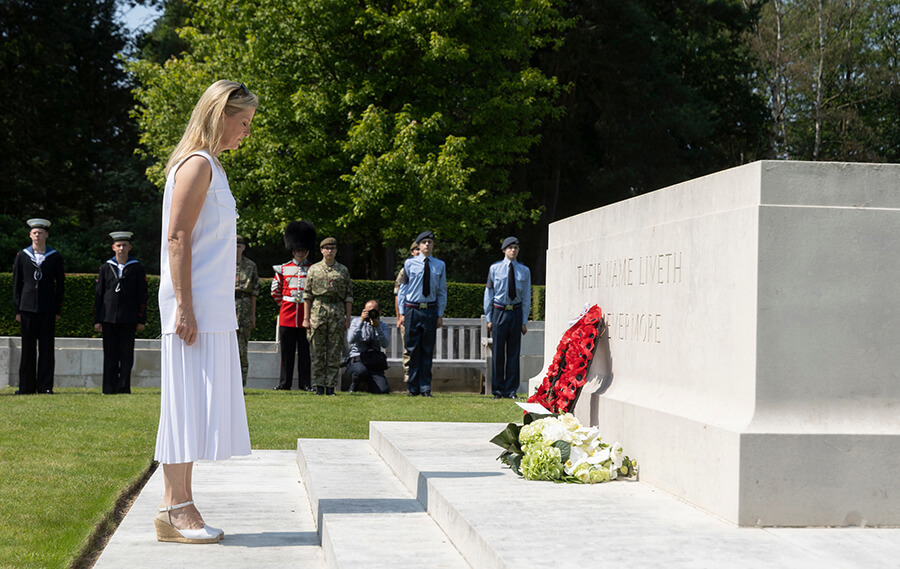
(657, 93)
(377, 119)
(66, 139)
(833, 78)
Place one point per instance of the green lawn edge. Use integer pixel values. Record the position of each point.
(67, 459)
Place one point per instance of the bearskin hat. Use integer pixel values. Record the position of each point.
(299, 235)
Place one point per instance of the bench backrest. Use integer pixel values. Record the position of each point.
(459, 339)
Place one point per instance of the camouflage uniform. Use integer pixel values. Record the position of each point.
(329, 289)
(246, 286)
(400, 277)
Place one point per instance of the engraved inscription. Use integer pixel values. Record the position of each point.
(635, 327)
(658, 269)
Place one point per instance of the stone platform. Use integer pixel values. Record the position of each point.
(432, 495)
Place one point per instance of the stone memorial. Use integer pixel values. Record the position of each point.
(753, 322)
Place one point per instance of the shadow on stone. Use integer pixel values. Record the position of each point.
(271, 539)
(422, 484)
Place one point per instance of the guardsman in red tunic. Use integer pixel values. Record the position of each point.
(287, 290)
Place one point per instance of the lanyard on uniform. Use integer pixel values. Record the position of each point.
(116, 271)
(38, 273)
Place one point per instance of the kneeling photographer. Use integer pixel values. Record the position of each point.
(367, 337)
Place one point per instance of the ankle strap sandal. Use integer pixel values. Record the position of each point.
(166, 531)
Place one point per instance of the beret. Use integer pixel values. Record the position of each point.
(425, 235)
(509, 241)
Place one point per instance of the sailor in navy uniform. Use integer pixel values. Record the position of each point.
(507, 303)
(38, 291)
(120, 310)
(422, 299)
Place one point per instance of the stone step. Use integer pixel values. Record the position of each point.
(256, 499)
(365, 517)
(455, 454)
(498, 520)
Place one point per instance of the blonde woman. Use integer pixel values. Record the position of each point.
(202, 415)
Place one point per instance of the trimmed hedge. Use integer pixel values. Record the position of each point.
(464, 301)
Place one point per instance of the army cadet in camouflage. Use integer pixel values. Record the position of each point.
(328, 300)
(246, 289)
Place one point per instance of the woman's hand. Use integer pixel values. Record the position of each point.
(186, 325)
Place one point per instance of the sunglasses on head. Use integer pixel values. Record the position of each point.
(238, 89)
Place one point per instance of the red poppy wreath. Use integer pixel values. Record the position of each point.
(568, 371)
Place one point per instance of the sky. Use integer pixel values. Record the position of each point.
(139, 17)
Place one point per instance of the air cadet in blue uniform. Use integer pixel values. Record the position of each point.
(507, 303)
(38, 291)
(422, 300)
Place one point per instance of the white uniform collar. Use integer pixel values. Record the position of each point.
(33, 256)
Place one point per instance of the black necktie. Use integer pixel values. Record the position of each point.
(426, 280)
(511, 282)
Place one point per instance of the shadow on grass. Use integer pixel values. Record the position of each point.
(107, 527)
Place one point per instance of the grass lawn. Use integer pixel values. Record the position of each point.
(66, 459)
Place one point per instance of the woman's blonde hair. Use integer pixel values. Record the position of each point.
(204, 130)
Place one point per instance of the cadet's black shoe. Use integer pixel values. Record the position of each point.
(320, 390)
(329, 391)
(495, 396)
(281, 388)
(411, 394)
(426, 394)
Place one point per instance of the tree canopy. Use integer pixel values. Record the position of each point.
(66, 139)
(377, 119)
(475, 119)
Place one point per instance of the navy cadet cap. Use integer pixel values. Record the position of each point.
(121, 236)
(425, 235)
(38, 223)
(509, 241)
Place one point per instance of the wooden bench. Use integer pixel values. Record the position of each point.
(459, 343)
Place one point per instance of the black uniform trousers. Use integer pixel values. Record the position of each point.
(118, 356)
(421, 335)
(506, 340)
(36, 373)
(294, 344)
(360, 375)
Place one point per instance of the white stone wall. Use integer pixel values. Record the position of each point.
(753, 325)
(79, 363)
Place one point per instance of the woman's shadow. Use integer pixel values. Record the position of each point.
(600, 373)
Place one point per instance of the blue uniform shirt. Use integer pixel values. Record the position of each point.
(496, 291)
(411, 285)
(363, 336)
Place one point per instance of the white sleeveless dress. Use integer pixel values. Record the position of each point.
(202, 414)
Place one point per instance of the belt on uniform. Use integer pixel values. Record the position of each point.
(328, 299)
(421, 305)
(291, 298)
(242, 294)
(507, 306)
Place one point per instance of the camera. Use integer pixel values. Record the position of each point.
(373, 314)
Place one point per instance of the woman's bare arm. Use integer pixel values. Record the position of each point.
(191, 184)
